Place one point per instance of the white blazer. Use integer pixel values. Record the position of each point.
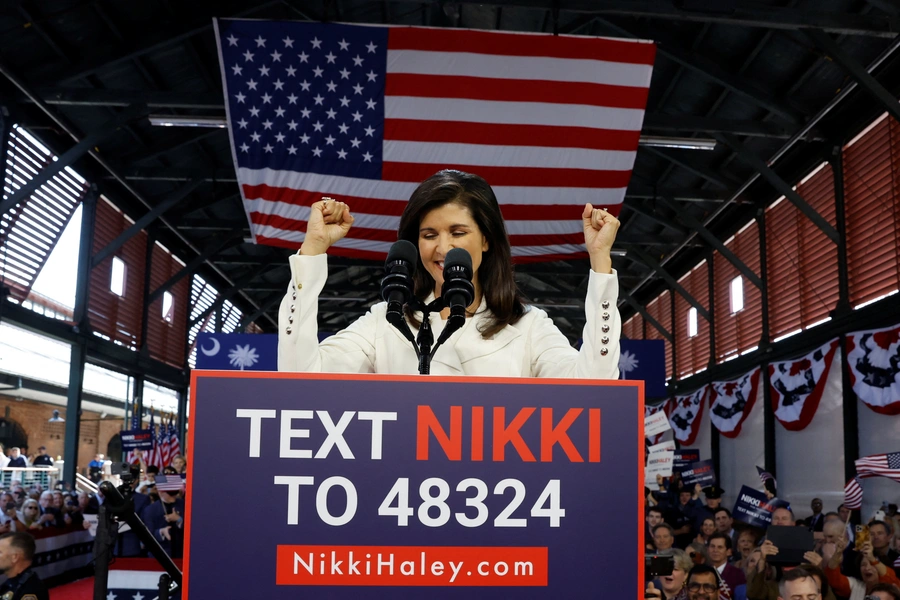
(532, 347)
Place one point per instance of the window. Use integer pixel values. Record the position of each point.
(737, 294)
(692, 322)
(117, 277)
(168, 307)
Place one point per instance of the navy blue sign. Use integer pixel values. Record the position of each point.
(645, 360)
(700, 472)
(137, 439)
(754, 508)
(379, 486)
(684, 458)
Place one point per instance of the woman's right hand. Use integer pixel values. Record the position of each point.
(329, 221)
(651, 593)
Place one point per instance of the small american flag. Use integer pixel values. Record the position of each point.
(765, 476)
(879, 465)
(135, 424)
(853, 494)
(174, 444)
(164, 447)
(365, 113)
(169, 483)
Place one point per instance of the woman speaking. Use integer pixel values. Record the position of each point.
(502, 336)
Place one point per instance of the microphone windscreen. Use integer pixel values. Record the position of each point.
(459, 257)
(406, 251)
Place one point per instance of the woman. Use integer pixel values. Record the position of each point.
(673, 586)
(501, 338)
(179, 463)
(707, 528)
(30, 515)
(872, 571)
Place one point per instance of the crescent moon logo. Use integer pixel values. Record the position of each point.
(214, 350)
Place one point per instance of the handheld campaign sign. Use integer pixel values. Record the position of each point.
(754, 508)
(137, 439)
(380, 486)
(700, 472)
(684, 458)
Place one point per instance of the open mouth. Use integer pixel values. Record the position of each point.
(440, 264)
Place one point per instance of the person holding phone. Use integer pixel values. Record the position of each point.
(872, 571)
(674, 586)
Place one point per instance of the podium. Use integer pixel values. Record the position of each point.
(379, 486)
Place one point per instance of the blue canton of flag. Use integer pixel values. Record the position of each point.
(308, 104)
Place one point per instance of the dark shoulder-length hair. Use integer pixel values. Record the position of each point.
(495, 275)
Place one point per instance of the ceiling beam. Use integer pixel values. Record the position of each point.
(692, 124)
(641, 255)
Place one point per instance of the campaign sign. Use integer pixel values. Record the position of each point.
(684, 458)
(378, 486)
(137, 439)
(700, 472)
(754, 508)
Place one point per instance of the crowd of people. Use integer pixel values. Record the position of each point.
(719, 558)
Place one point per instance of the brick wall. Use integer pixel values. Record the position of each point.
(32, 417)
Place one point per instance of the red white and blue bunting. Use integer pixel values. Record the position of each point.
(797, 386)
(874, 359)
(685, 415)
(731, 402)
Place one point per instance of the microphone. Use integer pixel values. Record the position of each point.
(458, 290)
(397, 284)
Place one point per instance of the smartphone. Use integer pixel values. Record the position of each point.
(862, 536)
(656, 566)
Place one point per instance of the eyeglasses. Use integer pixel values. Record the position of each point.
(705, 587)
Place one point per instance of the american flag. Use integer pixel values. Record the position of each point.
(164, 448)
(365, 113)
(135, 424)
(174, 444)
(879, 465)
(765, 476)
(169, 483)
(853, 494)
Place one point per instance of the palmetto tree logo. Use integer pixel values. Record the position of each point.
(628, 362)
(243, 357)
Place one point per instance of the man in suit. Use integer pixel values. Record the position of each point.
(817, 520)
(165, 520)
(719, 549)
(49, 514)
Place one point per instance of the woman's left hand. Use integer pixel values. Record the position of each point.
(600, 229)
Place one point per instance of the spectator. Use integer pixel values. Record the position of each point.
(654, 518)
(703, 583)
(682, 517)
(179, 463)
(50, 515)
(782, 517)
(799, 583)
(746, 544)
(95, 468)
(30, 515)
(719, 549)
(165, 520)
(16, 460)
(42, 459)
(724, 522)
(817, 520)
(663, 538)
(72, 514)
(713, 495)
(673, 587)
(880, 533)
(697, 553)
(707, 528)
(871, 569)
(885, 591)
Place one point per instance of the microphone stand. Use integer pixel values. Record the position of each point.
(119, 504)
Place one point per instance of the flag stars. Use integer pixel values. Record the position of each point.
(371, 47)
(318, 71)
(288, 42)
(248, 56)
(357, 61)
(304, 138)
(305, 113)
(367, 157)
(279, 84)
(240, 98)
(276, 56)
(266, 98)
(305, 85)
(292, 125)
(358, 89)
(268, 148)
(254, 112)
(345, 101)
(331, 113)
(255, 136)
(344, 128)
(304, 57)
(237, 69)
(344, 44)
(342, 154)
(260, 42)
(251, 83)
(330, 57)
(317, 151)
(292, 99)
(267, 124)
(345, 74)
(242, 124)
(330, 140)
(369, 131)
(319, 99)
(355, 142)
(263, 71)
(279, 112)
(292, 149)
(332, 86)
(318, 125)
(316, 43)
(291, 71)
(279, 137)
(370, 104)
(372, 75)
(357, 116)
(232, 41)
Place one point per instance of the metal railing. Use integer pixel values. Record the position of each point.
(28, 476)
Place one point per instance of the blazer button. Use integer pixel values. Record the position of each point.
(605, 304)
(604, 351)
(292, 310)
(605, 316)
(291, 320)
(604, 328)
(604, 340)
(299, 286)
(288, 330)
(294, 296)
